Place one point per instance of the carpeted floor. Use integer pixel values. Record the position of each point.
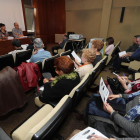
(14, 118)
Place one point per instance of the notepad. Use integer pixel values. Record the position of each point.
(76, 56)
(122, 53)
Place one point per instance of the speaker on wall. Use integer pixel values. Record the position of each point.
(122, 14)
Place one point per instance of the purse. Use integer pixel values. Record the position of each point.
(115, 85)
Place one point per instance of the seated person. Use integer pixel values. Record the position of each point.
(110, 45)
(17, 32)
(62, 85)
(17, 44)
(129, 86)
(130, 56)
(31, 46)
(97, 45)
(3, 32)
(88, 56)
(40, 54)
(61, 44)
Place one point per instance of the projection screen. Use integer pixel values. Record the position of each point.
(10, 12)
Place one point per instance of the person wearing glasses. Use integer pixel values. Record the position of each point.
(17, 32)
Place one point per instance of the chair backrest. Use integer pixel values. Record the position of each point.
(68, 46)
(22, 56)
(43, 124)
(115, 48)
(48, 65)
(77, 93)
(6, 60)
(66, 53)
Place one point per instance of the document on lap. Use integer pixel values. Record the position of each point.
(87, 133)
(104, 92)
(76, 56)
(122, 53)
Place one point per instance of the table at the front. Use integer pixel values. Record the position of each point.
(6, 45)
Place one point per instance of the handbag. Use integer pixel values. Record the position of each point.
(115, 85)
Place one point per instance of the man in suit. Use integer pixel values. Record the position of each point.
(40, 54)
(61, 44)
(130, 57)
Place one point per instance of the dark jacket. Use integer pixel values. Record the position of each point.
(63, 43)
(132, 48)
(60, 89)
(29, 74)
(30, 47)
(12, 95)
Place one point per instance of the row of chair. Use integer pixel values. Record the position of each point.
(44, 123)
(9, 60)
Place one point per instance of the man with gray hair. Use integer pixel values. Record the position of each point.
(40, 54)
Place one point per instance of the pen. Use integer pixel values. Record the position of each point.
(123, 74)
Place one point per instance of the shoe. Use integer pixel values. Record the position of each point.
(115, 71)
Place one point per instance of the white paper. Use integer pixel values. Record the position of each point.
(41, 88)
(86, 134)
(103, 91)
(68, 56)
(76, 56)
(122, 53)
(24, 46)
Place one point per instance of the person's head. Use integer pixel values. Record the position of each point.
(88, 55)
(97, 45)
(32, 38)
(135, 39)
(138, 40)
(63, 65)
(38, 43)
(16, 43)
(2, 26)
(65, 36)
(110, 40)
(16, 25)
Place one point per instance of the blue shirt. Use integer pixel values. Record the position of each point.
(40, 56)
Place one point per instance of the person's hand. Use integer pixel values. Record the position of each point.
(60, 42)
(111, 97)
(15, 33)
(35, 52)
(52, 79)
(122, 80)
(107, 107)
(95, 137)
(76, 61)
(123, 56)
(45, 80)
(20, 35)
(76, 66)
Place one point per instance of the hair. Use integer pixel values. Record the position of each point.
(64, 63)
(89, 54)
(66, 36)
(32, 38)
(137, 36)
(98, 44)
(16, 42)
(110, 40)
(1, 25)
(38, 43)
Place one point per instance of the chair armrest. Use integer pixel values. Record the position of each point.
(135, 65)
(3, 135)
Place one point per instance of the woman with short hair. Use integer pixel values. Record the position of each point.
(97, 45)
(110, 45)
(3, 32)
(62, 85)
(88, 56)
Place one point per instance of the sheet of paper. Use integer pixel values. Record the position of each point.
(68, 56)
(76, 56)
(87, 133)
(122, 53)
(103, 91)
(41, 88)
(28, 60)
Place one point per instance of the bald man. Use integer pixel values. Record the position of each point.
(17, 32)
